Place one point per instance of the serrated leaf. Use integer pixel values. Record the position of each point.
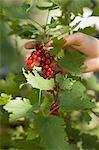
(55, 32)
(65, 82)
(73, 61)
(38, 82)
(23, 30)
(52, 132)
(57, 47)
(68, 83)
(85, 117)
(75, 99)
(18, 108)
(4, 98)
(58, 43)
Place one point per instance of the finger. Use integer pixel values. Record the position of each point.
(49, 43)
(73, 39)
(30, 45)
(92, 64)
(86, 44)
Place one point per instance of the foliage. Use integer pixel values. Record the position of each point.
(15, 107)
(38, 82)
(39, 113)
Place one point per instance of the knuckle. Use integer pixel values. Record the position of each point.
(79, 35)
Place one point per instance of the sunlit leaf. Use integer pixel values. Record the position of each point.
(18, 108)
(38, 82)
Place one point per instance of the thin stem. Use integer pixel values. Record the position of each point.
(40, 92)
(47, 17)
(45, 35)
(37, 23)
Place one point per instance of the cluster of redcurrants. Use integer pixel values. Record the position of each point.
(41, 58)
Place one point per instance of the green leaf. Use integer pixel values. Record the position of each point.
(85, 117)
(46, 104)
(57, 46)
(53, 23)
(31, 134)
(89, 30)
(38, 82)
(4, 99)
(65, 82)
(74, 6)
(58, 43)
(73, 134)
(73, 61)
(77, 6)
(57, 2)
(92, 83)
(75, 99)
(68, 83)
(11, 84)
(17, 11)
(28, 144)
(43, 4)
(52, 132)
(55, 32)
(23, 30)
(96, 10)
(89, 142)
(18, 108)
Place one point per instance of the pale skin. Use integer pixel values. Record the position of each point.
(86, 44)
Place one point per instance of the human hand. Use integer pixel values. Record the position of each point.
(86, 44)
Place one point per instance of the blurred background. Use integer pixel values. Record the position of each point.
(12, 52)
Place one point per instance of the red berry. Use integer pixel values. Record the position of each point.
(47, 55)
(29, 63)
(48, 61)
(39, 59)
(43, 59)
(34, 56)
(51, 58)
(55, 113)
(54, 108)
(42, 64)
(46, 66)
(37, 53)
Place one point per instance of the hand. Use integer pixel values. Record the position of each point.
(86, 44)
